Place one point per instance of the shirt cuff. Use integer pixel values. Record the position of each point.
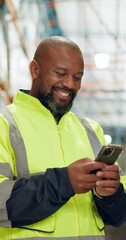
(96, 194)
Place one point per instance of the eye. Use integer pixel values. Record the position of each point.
(60, 74)
(77, 78)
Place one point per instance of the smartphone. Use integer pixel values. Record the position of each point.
(109, 153)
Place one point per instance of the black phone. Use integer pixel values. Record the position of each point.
(109, 153)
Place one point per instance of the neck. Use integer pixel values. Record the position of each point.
(57, 117)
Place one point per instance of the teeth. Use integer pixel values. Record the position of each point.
(64, 94)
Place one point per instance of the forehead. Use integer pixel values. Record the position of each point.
(66, 55)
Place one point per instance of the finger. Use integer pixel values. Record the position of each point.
(89, 186)
(105, 191)
(107, 183)
(91, 178)
(108, 175)
(113, 167)
(89, 167)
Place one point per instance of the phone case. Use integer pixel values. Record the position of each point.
(109, 153)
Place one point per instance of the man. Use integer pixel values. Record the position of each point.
(47, 189)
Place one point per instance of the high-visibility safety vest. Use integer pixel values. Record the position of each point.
(43, 144)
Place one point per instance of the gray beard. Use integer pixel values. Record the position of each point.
(57, 110)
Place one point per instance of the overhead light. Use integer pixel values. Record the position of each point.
(102, 60)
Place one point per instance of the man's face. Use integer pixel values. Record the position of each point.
(59, 79)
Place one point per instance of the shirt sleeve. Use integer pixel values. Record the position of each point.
(38, 197)
(112, 208)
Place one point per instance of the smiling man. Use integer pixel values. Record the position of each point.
(56, 75)
(47, 190)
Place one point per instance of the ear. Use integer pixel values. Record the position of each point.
(34, 69)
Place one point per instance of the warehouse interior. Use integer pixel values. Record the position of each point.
(98, 27)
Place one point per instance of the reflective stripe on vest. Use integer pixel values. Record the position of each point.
(93, 139)
(17, 144)
(66, 238)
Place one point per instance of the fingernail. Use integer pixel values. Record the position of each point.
(97, 183)
(99, 174)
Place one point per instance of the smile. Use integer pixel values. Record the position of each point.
(64, 94)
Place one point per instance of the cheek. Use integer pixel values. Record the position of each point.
(44, 83)
(78, 86)
(46, 87)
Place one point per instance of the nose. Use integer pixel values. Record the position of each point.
(68, 82)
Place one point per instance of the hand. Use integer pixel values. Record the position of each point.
(79, 173)
(109, 180)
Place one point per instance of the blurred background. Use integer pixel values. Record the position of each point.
(98, 27)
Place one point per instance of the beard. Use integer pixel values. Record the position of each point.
(57, 109)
